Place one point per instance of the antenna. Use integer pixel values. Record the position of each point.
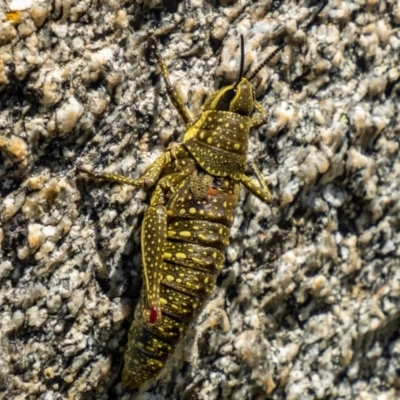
(281, 47)
(241, 71)
(266, 61)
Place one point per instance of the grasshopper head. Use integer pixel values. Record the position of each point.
(237, 98)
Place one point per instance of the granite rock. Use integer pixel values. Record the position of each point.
(308, 305)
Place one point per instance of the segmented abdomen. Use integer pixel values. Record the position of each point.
(200, 213)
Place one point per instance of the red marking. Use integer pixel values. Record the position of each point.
(212, 192)
(153, 315)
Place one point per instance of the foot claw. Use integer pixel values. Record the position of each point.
(80, 168)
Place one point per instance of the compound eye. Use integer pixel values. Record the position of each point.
(224, 102)
(229, 95)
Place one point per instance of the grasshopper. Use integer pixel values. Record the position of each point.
(186, 227)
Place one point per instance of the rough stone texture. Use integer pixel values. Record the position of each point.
(308, 304)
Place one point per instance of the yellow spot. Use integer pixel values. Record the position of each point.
(214, 254)
(188, 284)
(209, 140)
(195, 228)
(202, 135)
(185, 234)
(224, 205)
(202, 237)
(201, 212)
(237, 146)
(241, 126)
(174, 306)
(182, 211)
(180, 255)
(167, 255)
(206, 279)
(192, 210)
(13, 16)
(170, 278)
(171, 233)
(163, 301)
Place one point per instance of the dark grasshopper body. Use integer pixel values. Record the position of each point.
(186, 227)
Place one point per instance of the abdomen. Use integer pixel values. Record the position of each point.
(199, 222)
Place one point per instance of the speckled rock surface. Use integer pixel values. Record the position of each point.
(308, 306)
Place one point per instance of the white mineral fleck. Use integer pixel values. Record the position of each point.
(36, 317)
(68, 115)
(53, 302)
(19, 5)
(35, 236)
(334, 195)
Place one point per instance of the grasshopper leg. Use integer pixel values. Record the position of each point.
(173, 94)
(261, 190)
(147, 180)
(259, 119)
(154, 234)
(154, 229)
(153, 238)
